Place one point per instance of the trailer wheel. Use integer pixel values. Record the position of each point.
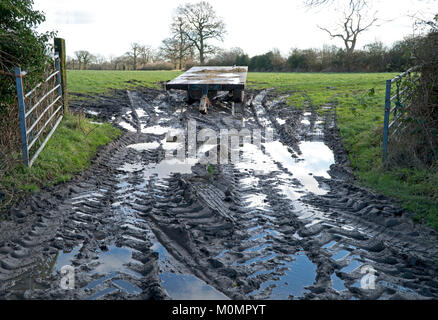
(238, 95)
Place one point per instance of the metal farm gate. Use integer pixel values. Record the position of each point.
(41, 111)
(396, 105)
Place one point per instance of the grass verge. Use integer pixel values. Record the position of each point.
(69, 151)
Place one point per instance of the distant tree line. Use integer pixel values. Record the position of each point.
(139, 57)
(374, 57)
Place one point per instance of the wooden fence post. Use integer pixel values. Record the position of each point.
(60, 48)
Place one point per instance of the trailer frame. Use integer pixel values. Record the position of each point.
(203, 83)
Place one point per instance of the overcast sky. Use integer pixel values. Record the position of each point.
(108, 27)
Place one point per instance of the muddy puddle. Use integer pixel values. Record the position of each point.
(298, 274)
(180, 286)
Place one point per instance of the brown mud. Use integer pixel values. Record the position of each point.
(286, 222)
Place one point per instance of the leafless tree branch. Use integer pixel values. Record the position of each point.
(353, 23)
(201, 24)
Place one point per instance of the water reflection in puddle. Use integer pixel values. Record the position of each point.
(300, 274)
(92, 112)
(352, 266)
(188, 287)
(315, 160)
(183, 286)
(127, 126)
(337, 283)
(258, 236)
(254, 159)
(340, 255)
(257, 248)
(329, 245)
(100, 281)
(112, 263)
(250, 181)
(157, 110)
(281, 121)
(145, 146)
(141, 113)
(256, 201)
(162, 169)
(220, 255)
(167, 167)
(115, 260)
(126, 287)
(156, 130)
(65, 258)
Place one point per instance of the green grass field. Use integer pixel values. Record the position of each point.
(91, 82)
(359, 100)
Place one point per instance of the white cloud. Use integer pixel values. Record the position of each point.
(73, 17)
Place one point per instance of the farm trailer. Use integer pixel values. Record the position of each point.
(203, 83)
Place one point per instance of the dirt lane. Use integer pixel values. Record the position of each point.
(285, 222)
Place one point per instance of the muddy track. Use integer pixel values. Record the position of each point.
(288, 221)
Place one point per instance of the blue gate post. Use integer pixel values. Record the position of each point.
(58, 77)
(22, 112)
(386, 121)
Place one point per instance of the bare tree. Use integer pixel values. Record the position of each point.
(134, 54)
(201, 25)
(226, 57)
(78, 56)
(71, 63)
(84, 58)
(356, 20)
(120, 62)
(170, 50)
(182, 42)
(145, 54)
(100, 59)
(317, 3)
